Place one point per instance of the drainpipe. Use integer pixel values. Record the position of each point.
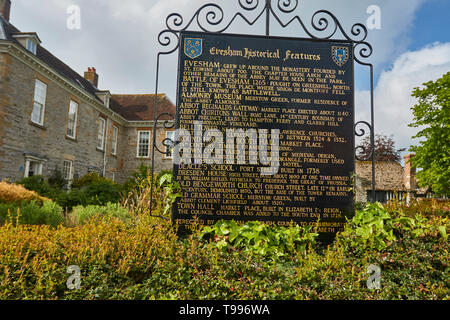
(106, 144)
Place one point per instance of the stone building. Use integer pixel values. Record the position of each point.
(392, 181)
(53, 119)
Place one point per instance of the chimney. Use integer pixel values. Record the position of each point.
(409, 175)
(91, 75)
(5, 9)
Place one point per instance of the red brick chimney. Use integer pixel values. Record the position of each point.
(5, 9)
(91, 75)
(409, 175)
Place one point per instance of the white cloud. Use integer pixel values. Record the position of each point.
(393, 99)
(119, 37)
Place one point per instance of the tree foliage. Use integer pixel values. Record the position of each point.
(432, 116)
(385, 149)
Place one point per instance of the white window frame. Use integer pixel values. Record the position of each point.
(28, 162)
(75, 121)
(101, 135)
(169, 135)
(114, 138)
(31, 45)
(139, 143)
(68, 178)
(41, 104)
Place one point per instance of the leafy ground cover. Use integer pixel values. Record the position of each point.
(124, 253)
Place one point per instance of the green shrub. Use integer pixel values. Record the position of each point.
(83, 214)
(143, 173)
(57, 181)
(271, 242)
(38, 185)
(88, 179)
(90, 189)
(138, 175)
(102, 192)
(376, 227)
(145, 259)
(71, 199)
(32, 213)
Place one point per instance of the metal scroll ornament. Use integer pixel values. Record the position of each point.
(323, 25)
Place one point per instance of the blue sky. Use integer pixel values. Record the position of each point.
(118, 38)
(431, 24)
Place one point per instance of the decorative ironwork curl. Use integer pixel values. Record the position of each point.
(287, 6)
(168, 124)
(320, 21)
(362, 149)
(210, 16)
(213, 16)
(168, 38)
(249, 4)
(207, 17)
(362, 50)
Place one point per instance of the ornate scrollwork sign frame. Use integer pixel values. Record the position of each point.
(211, 18)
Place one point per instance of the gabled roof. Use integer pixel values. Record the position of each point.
(27, 34)
(52, 61)
(140, 107)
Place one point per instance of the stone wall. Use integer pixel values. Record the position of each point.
(130, 155)
(20, 137)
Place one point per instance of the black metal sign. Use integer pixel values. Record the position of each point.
(300, 90)
(283, 101)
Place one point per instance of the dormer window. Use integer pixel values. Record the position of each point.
(31, 45)
(29, 40)
(105, 96)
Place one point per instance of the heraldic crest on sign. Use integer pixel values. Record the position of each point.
(340, 55)
(193, 47)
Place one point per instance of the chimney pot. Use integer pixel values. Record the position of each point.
(5, 9)
(91, 75)
(409, 178)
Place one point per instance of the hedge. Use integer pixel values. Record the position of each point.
(145, 259)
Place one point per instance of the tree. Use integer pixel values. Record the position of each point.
(432, 115)
(384, 149)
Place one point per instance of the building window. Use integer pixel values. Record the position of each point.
(169, 135)
(115, 135)
(113, 176)
(385, 196)
(143, 144)
(33, 167)
(73, 115)
(40, 93)
(31, 46)
(101, 133)
(107, 101)
(68, 171)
